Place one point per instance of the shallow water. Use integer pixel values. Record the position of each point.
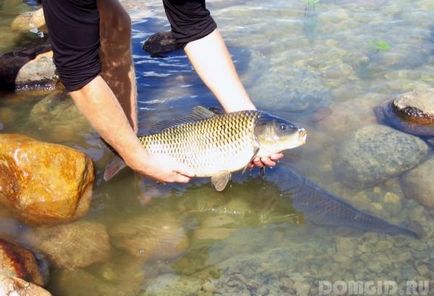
(324, 66)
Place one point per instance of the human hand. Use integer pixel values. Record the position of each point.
(161, 168)
(270, 161)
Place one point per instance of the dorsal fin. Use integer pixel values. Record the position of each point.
(198, 113)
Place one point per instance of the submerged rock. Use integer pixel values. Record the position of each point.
(116, 279)
(291, 90)
(74, 245)
(418, 183)
(151, 237)
(411, 112)
(16, 261)
(160, 43)
(13, 286)
(58, 118)
(44, 183)
(173, 285)
(376, 153)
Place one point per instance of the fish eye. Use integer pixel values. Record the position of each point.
(282, 127)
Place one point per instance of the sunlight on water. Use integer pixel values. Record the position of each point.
(322, 64)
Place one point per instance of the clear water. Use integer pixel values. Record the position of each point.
(322, 65)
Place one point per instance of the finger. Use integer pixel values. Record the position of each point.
(277, 156)
(257, 162)
(268, 162)
(181, 178)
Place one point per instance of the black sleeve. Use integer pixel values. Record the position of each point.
(73, 29)
(189, 19)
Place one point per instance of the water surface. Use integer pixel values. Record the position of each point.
(303, 61)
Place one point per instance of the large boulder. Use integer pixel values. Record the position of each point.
(44, 183)
(418, 183)
(74, 245)
(375, 153)
(16, 261)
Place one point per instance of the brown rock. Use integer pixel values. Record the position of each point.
(19, 287)
(417, 105)
(19, 262)
(418, 184)
(44, 183)
(152, 237)
(74, 245)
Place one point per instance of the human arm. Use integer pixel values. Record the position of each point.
(99, 105)
(220, 76)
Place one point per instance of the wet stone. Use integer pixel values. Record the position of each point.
(161, 43)
(151, 236)
(13, 286)
(21, 263)
(74, 245)
(59, 119)
(418, 184)
(173, 285)
(60, 187)
(376, 153)
(410, 112)
(291, 90)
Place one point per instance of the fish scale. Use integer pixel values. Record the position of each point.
(220, 143)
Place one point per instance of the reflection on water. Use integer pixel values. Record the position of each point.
(325, 65)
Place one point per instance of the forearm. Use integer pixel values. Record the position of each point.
(213, 63)
(99, 105)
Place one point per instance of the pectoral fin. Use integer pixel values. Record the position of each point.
(221, 180)
(113, 168)
(251, 159)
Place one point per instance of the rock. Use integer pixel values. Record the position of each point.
(82, 281)
(151, 237)
(38, 73)
(411, 112)
(160, 43)
(418, 184)
(119, 280)
(30, 21)
(345, 246)
(16, 261)
(29, 68)
(58, 117)
(44, 183)
(375, 153)
(13, 286)
(291, 90)
(173, 285)
(343, 120)
(417, 104)
(74, 245)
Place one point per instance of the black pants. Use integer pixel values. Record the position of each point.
(73, 28)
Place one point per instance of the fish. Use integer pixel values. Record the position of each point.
(322, 207)
(213, 144)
